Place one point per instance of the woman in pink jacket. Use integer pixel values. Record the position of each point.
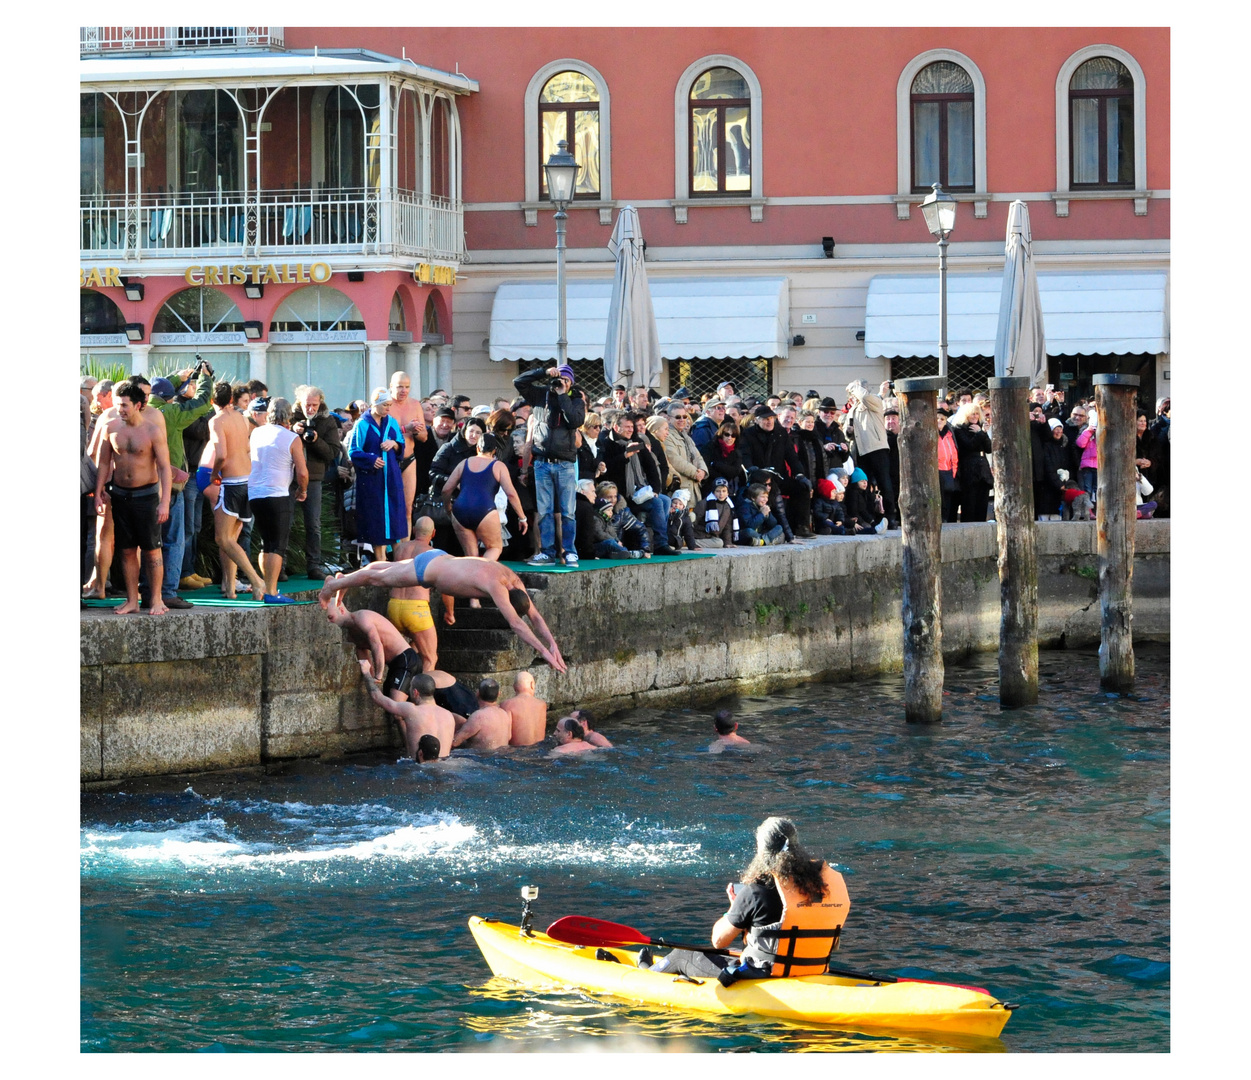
(1088, 467)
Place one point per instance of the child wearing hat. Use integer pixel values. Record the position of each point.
(681, 528)
(720, 518)
(828, 517)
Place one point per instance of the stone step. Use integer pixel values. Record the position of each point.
(458, 637)
(467, 618)
(475, 663)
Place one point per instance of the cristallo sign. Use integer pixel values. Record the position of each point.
(428, 274)
(99, 277)
(259, 274)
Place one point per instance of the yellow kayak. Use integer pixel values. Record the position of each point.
(537, 960)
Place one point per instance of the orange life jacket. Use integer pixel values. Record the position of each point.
(800, 942)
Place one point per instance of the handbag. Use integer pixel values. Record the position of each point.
(947, 480)
(429, 506)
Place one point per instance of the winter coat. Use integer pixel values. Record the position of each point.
(380, 510)
(769, 450)
(720, 519)
(811, 453)
(558, 416)
(684, 458)
(972, 446)
(867, 425)
(1087, 442)
(721, 463)
(322, 451)
(450, 454)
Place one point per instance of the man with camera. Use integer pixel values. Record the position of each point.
(319, 432)
(557, 416)
(180, 413)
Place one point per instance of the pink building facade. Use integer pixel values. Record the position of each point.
(384, 189)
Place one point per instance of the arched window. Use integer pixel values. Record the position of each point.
(317, 307)
(942, 100)
(568, 99)
(97, 314)
(720, 133)
(1101, 124)
(1101, 127)
(198, 310)
(569, 110)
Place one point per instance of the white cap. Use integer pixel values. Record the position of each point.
(380, 395)
(1054, 423)
(683, 495)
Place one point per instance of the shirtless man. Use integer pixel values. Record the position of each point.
(489, 727)
(407, 412)
(423, 718)
(593, 737)
(135, 477)
(528, 713)
(570, 737)
(466, 576)
(409, 605)
(227, 456)
(381, 645)
(727, 732)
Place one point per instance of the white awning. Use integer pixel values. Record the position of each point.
(1084, 313)
(696, 318)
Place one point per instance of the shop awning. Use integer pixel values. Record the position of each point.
(1084, 313)
(696, 318)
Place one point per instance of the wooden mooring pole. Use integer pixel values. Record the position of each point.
(920, 511)
(1018, 559)
(1116, 516)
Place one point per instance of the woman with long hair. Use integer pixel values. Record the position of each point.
(789, 905)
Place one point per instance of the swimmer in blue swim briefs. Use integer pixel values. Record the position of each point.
(469, 577)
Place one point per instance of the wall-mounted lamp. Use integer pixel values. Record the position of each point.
(859, 335)
(827, 245)
(1168, 375)
(798, 339)
(134, 289)
(134, 331)
(252, 330)
(356, 275)
(253, 290)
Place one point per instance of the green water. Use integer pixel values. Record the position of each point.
(324, 907)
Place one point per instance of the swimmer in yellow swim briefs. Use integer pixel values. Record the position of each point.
(409, 607)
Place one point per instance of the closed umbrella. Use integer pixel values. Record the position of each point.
(632, 347)
(1020, 345)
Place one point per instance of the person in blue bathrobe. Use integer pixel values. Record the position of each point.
(375, 444)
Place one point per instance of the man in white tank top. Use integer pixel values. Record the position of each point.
(277, 454)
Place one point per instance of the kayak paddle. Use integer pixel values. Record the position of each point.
(584, 930)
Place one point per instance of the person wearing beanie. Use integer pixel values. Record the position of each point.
(784, 888)
(719, 518)
(1056, 471)
(860, 515)
(827, 511)
(681, 528)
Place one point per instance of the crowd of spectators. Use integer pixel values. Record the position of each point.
(552, 476)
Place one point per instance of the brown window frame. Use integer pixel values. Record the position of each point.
(566, 107)
(720, 104)
(1101, 184)
(913, 101)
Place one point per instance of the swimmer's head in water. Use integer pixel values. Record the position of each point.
(724, 722)
(520, 600)
(421, 687)
(488, 690)
(427, 749)
(568, 727)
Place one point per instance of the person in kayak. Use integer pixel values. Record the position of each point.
(789, 905)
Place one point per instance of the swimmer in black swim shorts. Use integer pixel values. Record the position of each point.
(400, 672)
(135, 523)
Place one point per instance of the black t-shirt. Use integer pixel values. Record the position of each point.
(755, 905)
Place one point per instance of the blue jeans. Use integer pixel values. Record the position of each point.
(193, 509)
(656, 512)
(172, 538)
(555, 490)
(1088, 481)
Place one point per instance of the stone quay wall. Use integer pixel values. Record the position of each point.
(219, 688)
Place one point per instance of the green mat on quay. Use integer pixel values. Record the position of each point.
(606, 564)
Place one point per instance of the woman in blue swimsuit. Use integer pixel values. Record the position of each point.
(470, 495)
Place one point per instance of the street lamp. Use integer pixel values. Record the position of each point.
(939, 209)
(562, 172)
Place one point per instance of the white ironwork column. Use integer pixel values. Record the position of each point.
(139, 358)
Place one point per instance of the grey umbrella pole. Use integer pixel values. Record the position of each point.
(1018, 559)
(920, 514)
(1116, 516)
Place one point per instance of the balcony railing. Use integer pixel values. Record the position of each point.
(97, 40)
(325, 222)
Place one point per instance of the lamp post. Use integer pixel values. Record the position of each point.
(562, 173)
(939, 209)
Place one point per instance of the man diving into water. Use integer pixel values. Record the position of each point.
(469, 577)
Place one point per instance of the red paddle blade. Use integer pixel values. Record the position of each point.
(583, 930)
